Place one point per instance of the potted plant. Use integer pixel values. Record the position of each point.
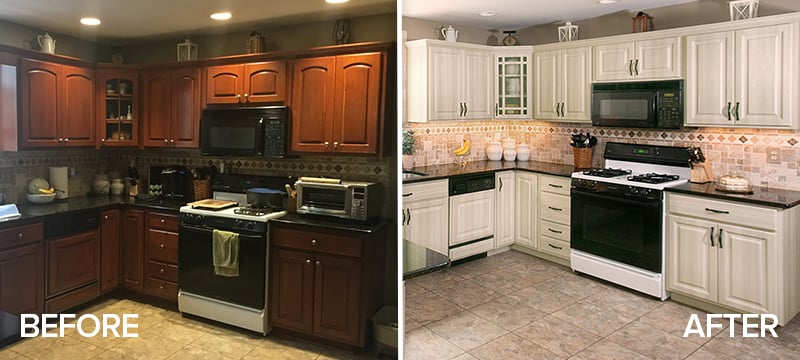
(408, 148)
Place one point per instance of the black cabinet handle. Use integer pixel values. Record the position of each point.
(554, 247)
(404, 217)
(555, 231)
(719, 238)
(636, 67)
(409, 194)
(711, 236)
(717, 211)
(630, 67)
(466, 109)
(729, 111)
(409, 217)
(554, 209)
(496, 109)
(501, 184)
(736, 111)
(555, 186)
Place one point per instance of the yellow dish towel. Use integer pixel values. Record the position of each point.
(225, 253)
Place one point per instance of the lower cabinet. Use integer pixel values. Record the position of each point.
(109, 250)
(527, 208)
(325, 283)
(554, 215)
(73, 268)
(161, 255)
(132, 243)
(22, 269)
(504, 202)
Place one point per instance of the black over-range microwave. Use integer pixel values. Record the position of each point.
(652, 104)
(252, 131)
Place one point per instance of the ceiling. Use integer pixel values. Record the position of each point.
(520, 14)
(135, 20)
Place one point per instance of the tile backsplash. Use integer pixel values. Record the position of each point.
(741, 151)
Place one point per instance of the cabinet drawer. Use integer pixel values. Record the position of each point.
(554, 247)
(71, 299)
(162, 271)
(21, 235)
(554, 230)
(316, 241)
(162, 246)
(425, 190)
(554, 207)
(554, 184)
(471, 249)
(165, 289)
(723, 211)
(162, 221)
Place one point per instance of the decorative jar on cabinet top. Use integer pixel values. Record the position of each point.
(523, 152)
(494, 151)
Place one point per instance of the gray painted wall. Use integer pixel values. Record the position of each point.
(24, 37)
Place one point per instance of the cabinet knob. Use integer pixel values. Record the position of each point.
(313, 241)
(162, 220)
(335, 145)
(171, 141)
(326, 145)
(162, 246)
(66, 139)
(238, 97)
(308, 262)
(20, 236)
(318, 264)
(161, 271)
(103, 141)
(60, 139)
(246, 98)
(161, 287)
(166, 141)
(105, 217)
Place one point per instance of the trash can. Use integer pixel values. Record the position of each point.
(384, 328)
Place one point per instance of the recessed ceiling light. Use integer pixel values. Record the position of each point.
(487, 13)
(607, 2)
(90, 21)
(221, 16)
(336, 1)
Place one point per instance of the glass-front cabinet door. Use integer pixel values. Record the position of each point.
(118, 113)
(512, 85)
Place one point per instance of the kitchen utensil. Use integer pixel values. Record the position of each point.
(265, 198)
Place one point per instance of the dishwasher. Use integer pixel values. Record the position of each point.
(471, 215)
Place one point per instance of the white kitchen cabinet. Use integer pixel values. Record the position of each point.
(562, 84)
(554, 215)
(512, 83)
(448, 81)
(505, 197)
(654, 59)
(740, 256)
(425, 214)
(471, 217)
(527, 208)
(742, 78)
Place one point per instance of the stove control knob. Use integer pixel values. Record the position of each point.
(581, 182)
(250, 225)
(633, 190)
(592, 183)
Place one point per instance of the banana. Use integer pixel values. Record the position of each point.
(47, 191)
(464, 149)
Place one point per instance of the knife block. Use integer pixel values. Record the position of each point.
(701, 173)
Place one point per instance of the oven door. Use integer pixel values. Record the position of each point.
(196, 268)
(231, 132)
(623, 108)
(616, 228)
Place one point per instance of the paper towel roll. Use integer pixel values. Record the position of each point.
(58, 180)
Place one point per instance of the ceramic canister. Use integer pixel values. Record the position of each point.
(494, 151)
(509, 154)
(523, 152)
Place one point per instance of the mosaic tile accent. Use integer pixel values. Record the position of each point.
(730, 150)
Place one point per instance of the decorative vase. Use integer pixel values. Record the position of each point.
(408, 161)
(100, 184)
(494, 151)
(509, 154)
(117, 187)
(523, 152)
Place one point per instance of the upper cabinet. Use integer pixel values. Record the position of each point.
(742, 78)
(449, 81)
(56, 104)
(562, 85)
(338, 104)
(261, 82)
(172, 105)
(639, 60)
(512, 83)
(118, 112)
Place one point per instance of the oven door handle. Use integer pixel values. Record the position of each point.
(648, 203)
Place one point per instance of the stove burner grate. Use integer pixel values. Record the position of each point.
(653, 178)
(607, 172)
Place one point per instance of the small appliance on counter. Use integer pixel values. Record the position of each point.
(352, 200)
(173, 181)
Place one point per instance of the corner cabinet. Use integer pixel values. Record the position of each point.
(743, 77)
(512, 83)
(527, 208)
(653, 59)
(325, 283)
(252, 83)
(449, 81)
(118, 108)
(712, 256)
(56, 104)
(562, 86)
(505, 195)
(172, 106)
(339, 104)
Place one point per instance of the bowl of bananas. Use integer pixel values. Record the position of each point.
(40, 191)
(462, 151)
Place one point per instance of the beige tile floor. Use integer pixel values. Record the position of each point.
(165, 334)
(515, 306)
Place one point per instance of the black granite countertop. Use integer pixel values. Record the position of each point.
(332, 223)
(771, 197)
(419, 260)
(475, 167)
(36, 212)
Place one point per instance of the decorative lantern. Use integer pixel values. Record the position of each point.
(642, 22)
(187, 51)
(255, 43)
(568, 32)
(743, 9)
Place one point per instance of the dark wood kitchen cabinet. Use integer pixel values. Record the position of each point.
(22, 269)
(172, 106)
(73, 268)
(56, 104)
(118, 107)
(109, 250)
(261, 82)
(338, 104)
(132, 232)
(161, 255)
(325, 283)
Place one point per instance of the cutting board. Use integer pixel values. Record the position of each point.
(212, 204)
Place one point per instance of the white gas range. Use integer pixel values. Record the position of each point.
(617, 227)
